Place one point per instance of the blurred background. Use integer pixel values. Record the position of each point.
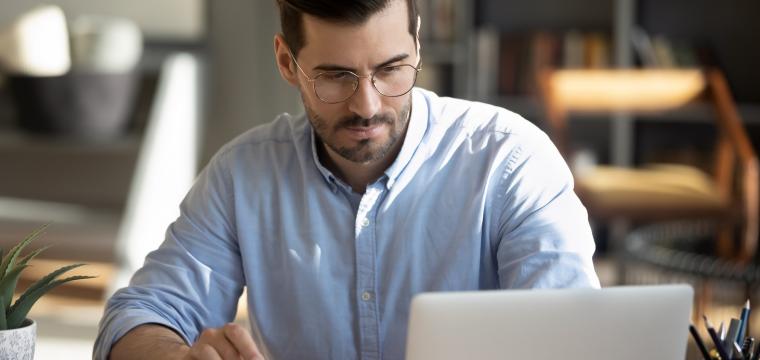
(109, 109)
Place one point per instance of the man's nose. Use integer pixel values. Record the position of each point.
(366, 100)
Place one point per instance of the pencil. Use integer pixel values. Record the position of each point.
(700, 343)
(715, 339)
(744, 330)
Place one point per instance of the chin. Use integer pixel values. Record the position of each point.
(366, 151)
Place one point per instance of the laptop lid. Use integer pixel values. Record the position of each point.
(631, 322)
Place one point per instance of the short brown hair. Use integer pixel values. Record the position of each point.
(353, 12)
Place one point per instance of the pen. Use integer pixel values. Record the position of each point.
(733, 331)
(715, 339)
(748, 348)
(700, 343)
(721, 330)
(744, 330)
(737, 351)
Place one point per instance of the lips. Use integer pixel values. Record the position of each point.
(363, 132)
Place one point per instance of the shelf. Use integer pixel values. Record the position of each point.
(85, 173)
(92, 190)
(13, 139)
(530, 108)
(82, 233)
(519, 16)
(703, 113)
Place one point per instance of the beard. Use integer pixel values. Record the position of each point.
(365, 150)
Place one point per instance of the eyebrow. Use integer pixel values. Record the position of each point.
(334, 67)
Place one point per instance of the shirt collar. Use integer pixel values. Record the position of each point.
(326, 174)
(418, 123)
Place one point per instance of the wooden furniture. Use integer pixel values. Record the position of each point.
(728, 194)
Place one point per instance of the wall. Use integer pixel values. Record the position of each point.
(245, 87)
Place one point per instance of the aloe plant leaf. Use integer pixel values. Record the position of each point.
(8, 285)
(24, 260)
(48, 279)
(10, 259)
(17, 313)
(3, 323)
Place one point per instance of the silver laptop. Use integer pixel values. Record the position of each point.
(622, 323)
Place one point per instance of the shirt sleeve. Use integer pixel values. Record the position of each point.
(194, 279)
(544, 239)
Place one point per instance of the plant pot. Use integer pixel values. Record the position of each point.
(19, 343)
(87, 105)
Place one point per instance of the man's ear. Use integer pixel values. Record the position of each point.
(285, 64)
(417, 38)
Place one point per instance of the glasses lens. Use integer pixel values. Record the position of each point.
(335, 86)
(395, 80)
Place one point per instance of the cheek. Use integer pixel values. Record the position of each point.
(399, 105)
(327, 114)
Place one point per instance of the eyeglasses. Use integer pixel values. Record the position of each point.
(334, 87)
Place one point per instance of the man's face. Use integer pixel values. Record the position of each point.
(365, 127)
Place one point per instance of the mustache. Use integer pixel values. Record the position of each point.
(357, 121)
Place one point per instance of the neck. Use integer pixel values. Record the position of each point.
(358, 175)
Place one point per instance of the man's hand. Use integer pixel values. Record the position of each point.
(231, 342)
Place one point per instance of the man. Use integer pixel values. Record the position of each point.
(335, 219)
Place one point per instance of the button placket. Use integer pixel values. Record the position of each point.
(366, 273)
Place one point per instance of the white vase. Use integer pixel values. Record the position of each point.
(19, 343)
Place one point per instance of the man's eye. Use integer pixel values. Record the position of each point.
(337, 76)
(391, 69)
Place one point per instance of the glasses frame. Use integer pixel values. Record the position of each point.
(370, 76)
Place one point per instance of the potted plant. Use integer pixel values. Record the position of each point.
(17, 332)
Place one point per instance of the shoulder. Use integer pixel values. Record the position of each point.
(285, 128)
(278, 138)
(478, 121)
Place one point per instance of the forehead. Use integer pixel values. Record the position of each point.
(384, 35)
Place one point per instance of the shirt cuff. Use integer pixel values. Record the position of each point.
(120, 321)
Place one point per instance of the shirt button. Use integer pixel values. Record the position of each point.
(366, 296)
(365, 222)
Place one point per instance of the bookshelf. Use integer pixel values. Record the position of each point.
(445, 36)
(621, 139)
(509, 34)
(719, 34)
(79, 186)
(722, 33)
(84, 186)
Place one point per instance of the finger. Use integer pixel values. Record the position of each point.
(218, 341)
(204, 352)
(242, 341)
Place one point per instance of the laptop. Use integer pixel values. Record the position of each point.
(622, 323)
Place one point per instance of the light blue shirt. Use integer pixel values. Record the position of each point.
(478, 198)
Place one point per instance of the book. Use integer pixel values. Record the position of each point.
(663, 52)
(487, 48)
(597, 51)
(543, 53)
(442, 20)
(510, 48)
(642, 46)
(573, 53)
